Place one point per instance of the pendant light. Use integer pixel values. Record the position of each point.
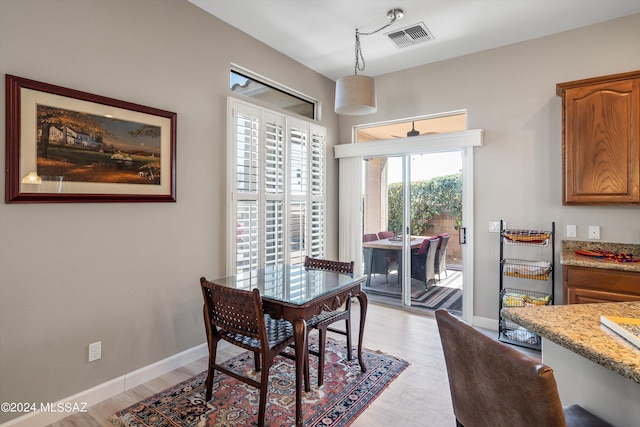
(356, 95)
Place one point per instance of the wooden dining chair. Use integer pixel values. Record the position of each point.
(494, 385)
(322, 321)
(237, 316)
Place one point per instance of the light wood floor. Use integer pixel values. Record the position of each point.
(418, 397)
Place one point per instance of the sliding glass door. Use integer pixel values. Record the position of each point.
(382, 229)
(413, 207)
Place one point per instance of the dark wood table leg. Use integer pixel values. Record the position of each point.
(362, 298)
(300, 332)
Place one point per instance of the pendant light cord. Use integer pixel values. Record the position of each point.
(359, 56)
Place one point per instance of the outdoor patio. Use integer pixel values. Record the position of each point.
(447, 293)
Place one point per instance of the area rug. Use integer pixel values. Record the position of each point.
(445, 294)
(438, 297)
(346, 392)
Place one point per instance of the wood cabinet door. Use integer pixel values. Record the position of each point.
(601, 143)
(578, 295)
(586, 285)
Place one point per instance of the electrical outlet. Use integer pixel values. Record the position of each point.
(572, 231)
(95, 351)
(594, 232)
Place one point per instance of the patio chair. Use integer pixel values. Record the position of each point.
(423, 261)
(391, 256)
(237, 316)
(385, 235)
(494, 385)
(370, 237)
(322, 321)
(375, 260)
(441, 256)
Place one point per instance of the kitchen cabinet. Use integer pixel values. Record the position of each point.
(601, 140)
(584, 285)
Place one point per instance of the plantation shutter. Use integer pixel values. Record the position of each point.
(247, 173)
(274, 218)
(298, 187)
(317, 168)
(277, 188)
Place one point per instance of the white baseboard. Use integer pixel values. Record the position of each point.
(141, 376)
(106, 390)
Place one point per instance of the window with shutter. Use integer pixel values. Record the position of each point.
(277, 188)
(316, 214)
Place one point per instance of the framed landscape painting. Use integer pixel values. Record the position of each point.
(64, 145)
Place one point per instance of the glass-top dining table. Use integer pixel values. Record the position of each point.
(296, 294)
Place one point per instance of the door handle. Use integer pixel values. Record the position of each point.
(463, 235)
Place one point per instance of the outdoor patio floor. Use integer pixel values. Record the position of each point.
(447, 293)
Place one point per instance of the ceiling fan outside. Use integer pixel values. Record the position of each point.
(414, 132)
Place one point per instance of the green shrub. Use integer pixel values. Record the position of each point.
(440, 195)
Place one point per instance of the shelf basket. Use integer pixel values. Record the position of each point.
(514, 334)
(521, 298)
(526, 237)
(536, 270)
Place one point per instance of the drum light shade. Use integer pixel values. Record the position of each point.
(355, 95)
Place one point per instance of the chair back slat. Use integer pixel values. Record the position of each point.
(327, 265)
(234, 310)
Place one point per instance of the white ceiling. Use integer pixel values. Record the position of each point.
(321, 33)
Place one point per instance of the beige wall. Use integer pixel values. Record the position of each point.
(124, 274)
(127, 274)
(510, 93)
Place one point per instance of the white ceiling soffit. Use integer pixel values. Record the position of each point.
(320, 34)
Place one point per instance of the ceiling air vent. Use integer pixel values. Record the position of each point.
(410, 35)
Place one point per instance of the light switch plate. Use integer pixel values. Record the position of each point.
(572, 231)
(494, 226)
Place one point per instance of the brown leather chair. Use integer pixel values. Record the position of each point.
(237, 316)
(322, 321)
(494, 385)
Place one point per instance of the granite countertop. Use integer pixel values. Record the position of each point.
(577, 328)
(569, 256)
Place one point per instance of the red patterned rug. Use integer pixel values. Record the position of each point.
(346, 392)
